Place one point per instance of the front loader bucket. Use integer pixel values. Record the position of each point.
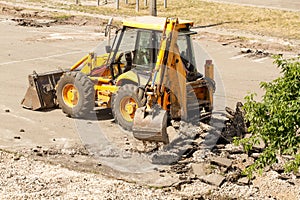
(41, 91)
(150, 126)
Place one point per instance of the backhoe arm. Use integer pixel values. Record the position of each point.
(166, 89)
(169, 76)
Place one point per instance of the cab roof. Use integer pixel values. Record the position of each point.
(152, 23)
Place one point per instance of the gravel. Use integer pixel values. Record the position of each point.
(26, 178)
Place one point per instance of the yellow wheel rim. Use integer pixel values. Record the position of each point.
(70, 95)
(128, 107)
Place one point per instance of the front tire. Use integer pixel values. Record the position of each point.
(125, 104)
(75, 94)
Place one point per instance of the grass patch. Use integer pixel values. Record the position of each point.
(263, 21)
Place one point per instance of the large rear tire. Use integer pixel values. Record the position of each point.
(125, 104)
(75, 94)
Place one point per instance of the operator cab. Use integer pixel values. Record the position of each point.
(136, 46)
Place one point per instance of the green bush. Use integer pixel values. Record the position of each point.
(276, 119)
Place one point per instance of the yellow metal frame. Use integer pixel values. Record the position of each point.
(153, 23)
(101, 79)
(104, 93)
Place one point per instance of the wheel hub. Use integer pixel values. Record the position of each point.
(130, 108)
(70, 95)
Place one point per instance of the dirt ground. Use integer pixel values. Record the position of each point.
(277, 4)
(42, 153)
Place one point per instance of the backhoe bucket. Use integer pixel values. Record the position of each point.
(150, 126)
(41, 91)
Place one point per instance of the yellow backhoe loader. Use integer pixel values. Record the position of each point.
(175, 89)
(147, 77)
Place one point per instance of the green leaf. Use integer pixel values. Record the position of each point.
(276, 118)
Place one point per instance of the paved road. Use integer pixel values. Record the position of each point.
(293, 5)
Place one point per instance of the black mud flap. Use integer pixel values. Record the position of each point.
(41, 91)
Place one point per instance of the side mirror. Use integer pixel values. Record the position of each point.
(108, 26)
(108, 49)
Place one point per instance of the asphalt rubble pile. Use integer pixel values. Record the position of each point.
(203, 173)
(222, 166)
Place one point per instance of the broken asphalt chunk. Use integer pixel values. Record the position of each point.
(200, 169)
(243, 181)
(225, 162)
(165, 158)
(213, 179)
